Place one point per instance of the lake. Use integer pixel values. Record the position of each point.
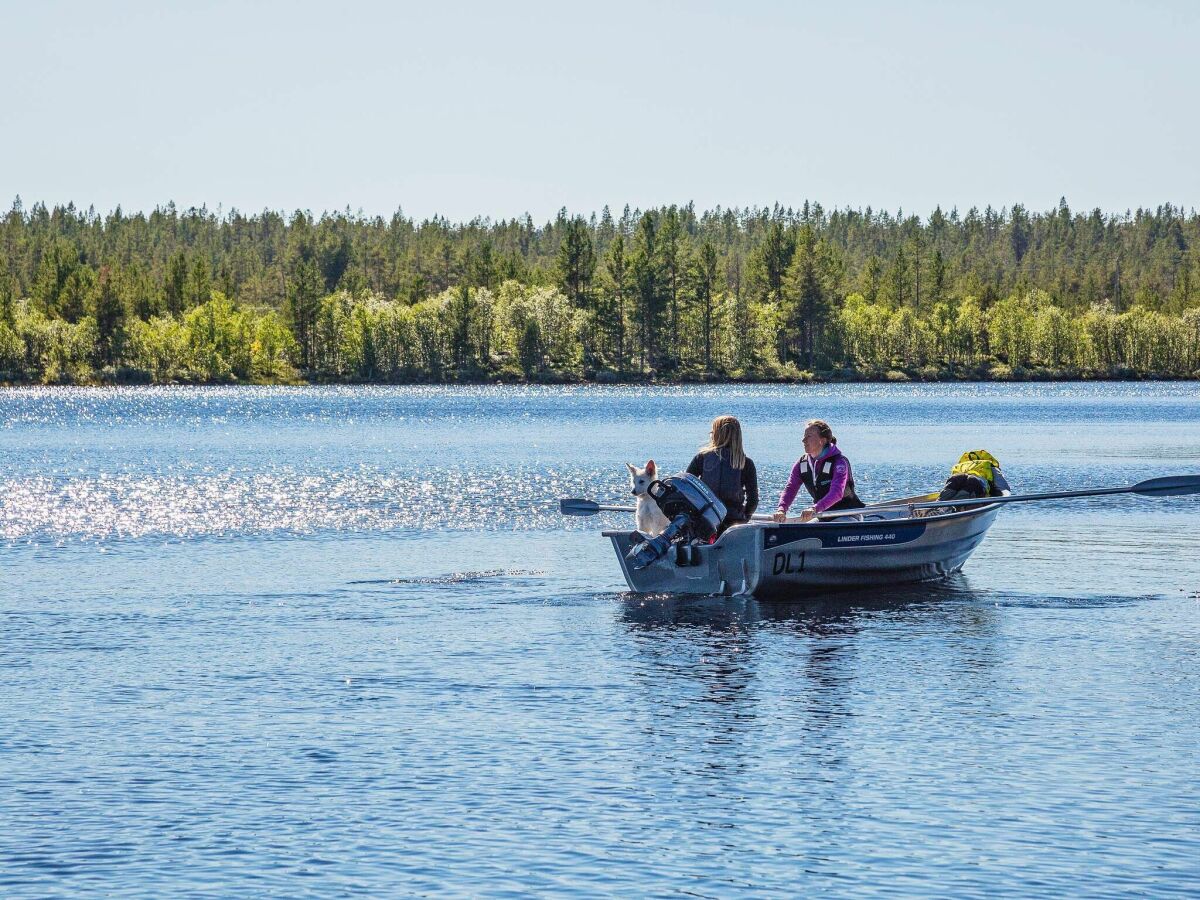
(336, 641)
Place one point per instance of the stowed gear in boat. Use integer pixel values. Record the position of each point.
(694, 511)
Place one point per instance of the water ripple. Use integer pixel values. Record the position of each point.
(330, 642)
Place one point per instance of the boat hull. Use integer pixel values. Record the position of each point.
(783, 561)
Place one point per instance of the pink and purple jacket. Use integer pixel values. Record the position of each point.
(837, 488)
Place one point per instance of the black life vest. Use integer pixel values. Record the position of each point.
(818, 486)
(723, 480)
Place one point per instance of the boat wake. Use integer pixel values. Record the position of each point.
(458, 577)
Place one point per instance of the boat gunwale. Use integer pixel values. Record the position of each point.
(846, 522)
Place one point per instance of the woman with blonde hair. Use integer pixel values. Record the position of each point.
(723, 465)
(824, 472)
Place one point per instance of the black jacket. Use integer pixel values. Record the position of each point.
(737, 489)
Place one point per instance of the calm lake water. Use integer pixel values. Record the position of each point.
(338, 641)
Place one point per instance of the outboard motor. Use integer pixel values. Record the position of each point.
(694, 511)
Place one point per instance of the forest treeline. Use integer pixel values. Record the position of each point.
(669, 293)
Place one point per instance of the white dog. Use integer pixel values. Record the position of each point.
(650, 519)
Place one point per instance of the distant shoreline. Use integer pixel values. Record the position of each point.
(818, 379)
(662, 296)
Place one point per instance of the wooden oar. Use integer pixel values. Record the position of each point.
(1169, 486)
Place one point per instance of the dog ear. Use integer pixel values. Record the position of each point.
(630, 467)
(650, 468)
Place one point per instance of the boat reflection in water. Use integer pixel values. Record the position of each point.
(805, 687)
(836, 611)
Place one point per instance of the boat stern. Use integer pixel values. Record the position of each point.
(728, 566)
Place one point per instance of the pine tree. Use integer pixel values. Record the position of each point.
(462, 314)
(175, 284)
(302, 305)
(1019, 232)
(706, 286)
(108, 309)
(616, 266)
(771, 260)
(669, 241)
(482, 269)
(576, 262)
(198, 289)
(937, 278)
(808, 307)
(896, 288)
(77, 294)
(872, 277)
(58, 261)
(8, 297)
(646, 269)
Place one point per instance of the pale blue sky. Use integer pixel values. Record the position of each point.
(486, 108)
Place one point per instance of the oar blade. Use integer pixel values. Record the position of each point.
(578, 507)
(1171, 486)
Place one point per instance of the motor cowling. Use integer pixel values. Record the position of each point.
(687, 495)
(694, 511)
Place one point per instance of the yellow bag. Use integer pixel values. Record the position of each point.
(979, 463)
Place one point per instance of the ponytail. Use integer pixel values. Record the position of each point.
(823, 430)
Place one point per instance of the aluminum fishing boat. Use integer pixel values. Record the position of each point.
(780, 561)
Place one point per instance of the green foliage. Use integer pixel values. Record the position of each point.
(704, 276)
(77, 294)
(770, 261)
(732, 293)
(213, 342)
(175, 283)
(56, 351)
(219, 340)
(576, 262)
(1010, 330)
(58, 259)
(161, 347)
(107, 307)
(612, 313)
(650, 294)
(535, 325)
(12, 352)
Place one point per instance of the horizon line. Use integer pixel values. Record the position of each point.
(775, 209)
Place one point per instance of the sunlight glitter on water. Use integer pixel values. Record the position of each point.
(133, 506)
(339, 640)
